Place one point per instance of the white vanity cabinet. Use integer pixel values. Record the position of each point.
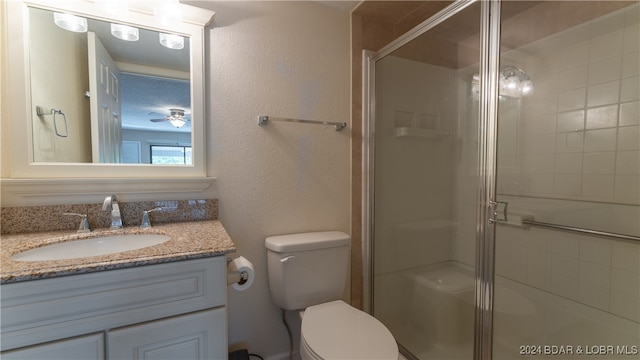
(194, 336)
(174, 310)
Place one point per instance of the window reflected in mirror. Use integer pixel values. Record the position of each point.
(174, 154)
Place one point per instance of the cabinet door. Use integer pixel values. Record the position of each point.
(88, 347)
(197, 336)
(35, 312)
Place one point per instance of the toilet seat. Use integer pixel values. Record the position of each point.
(335, 330)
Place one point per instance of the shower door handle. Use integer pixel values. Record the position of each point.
(495, 211)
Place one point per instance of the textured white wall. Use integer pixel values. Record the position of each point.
(288, 59)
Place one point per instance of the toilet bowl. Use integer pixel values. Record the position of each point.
(335, 330)
(308, 272)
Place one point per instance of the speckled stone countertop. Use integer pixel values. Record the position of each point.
(189, 240)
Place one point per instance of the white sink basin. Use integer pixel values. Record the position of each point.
(97, 246)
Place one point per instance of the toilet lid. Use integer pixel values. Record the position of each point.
(335, 330)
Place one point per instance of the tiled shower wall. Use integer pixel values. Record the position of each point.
(413, 139)
(579, 134)
(576, 138)
(601, 273)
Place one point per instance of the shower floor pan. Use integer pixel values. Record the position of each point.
(438, 319)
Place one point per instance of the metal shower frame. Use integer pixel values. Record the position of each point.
(487, 160)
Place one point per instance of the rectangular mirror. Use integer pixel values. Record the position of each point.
(39, 118)
(119, 83)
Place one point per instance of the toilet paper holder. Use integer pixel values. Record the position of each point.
(236, 277)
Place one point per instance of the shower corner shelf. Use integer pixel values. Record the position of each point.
(412, 132)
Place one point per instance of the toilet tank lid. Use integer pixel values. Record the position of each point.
(307, 241)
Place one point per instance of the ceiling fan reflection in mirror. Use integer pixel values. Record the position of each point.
(176, 117)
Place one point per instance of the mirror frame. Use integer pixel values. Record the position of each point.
(20, 152)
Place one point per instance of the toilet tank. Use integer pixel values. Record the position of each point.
(307, 269)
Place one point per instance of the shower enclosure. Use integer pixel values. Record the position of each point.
(502, 152)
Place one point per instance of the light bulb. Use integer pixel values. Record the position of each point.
(172, 41)
(167, 11)
(526, 88)
(124, 32)
(70, 22)
(512, 83)
(177, 122)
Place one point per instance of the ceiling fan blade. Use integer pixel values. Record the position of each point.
(175, 114)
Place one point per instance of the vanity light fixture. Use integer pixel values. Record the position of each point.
(172, 41)
(124, 32)
(113, 7)
(167, 11)
(70, 22)
(514, 82)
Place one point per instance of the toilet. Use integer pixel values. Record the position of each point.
(308, 272)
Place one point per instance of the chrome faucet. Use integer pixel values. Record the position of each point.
(111, 203)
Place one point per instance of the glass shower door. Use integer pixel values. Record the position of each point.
(425, 176)
(568, 165)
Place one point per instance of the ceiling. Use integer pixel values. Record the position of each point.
(455, 43)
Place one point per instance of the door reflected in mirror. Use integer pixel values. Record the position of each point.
(102, 96)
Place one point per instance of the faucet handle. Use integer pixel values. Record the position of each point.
(84, 223)
(146, 222)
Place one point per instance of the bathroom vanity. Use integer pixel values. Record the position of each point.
(163, 301)
(166, 301)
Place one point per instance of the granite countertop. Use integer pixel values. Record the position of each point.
(189, 240)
